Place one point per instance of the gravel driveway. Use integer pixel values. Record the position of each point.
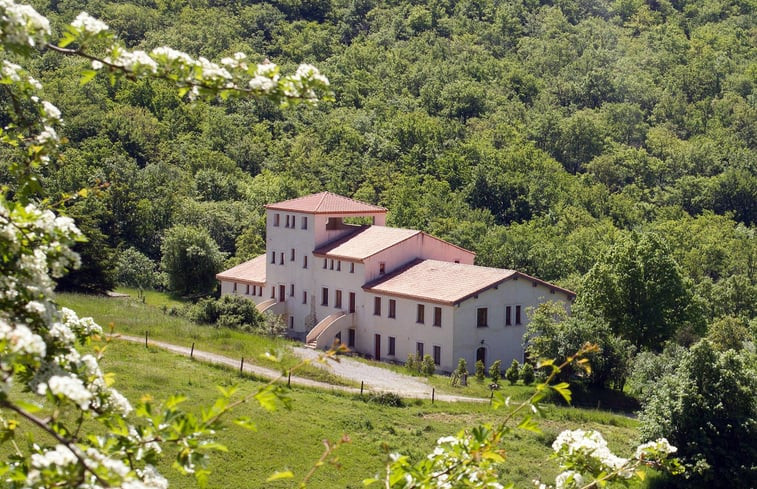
(375, 379)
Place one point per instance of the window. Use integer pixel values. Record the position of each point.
(281, 258)
(517, 314)
(291, 322)
(481, 317)
(377, 306)
(304, 222)
(291, 255)
(391, 346)
(304, 296)
(248, 289)
(338, 299)
(339, 266)
(392, 308)
(508, 315)
(352, 268)
(235, 286)
(324, 296)
(291, 290)
(325, 263)
(276, 218)
(419, 349)
(420, 318)
(438, 317)
(260, 291)
(273, 257)
(437, 355)
(382, 268)
(331, 264)
(273, 292)
(287, 222)
(304, 261)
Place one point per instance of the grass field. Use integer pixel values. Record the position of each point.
(293, 439)
(130, 316)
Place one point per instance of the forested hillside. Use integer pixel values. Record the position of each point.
(536, 133)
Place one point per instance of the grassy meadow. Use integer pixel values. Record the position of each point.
(293, 439)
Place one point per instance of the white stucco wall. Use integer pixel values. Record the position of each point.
(501, 342)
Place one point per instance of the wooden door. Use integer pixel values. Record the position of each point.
(282, 293)
(377, 339)
(352, 302)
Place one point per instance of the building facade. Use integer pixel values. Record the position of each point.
(334, 271)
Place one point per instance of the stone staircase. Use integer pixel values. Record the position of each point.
(311, 341)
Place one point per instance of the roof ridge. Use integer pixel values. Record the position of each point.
(323, 197)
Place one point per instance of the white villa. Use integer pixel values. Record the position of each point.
(384, 292)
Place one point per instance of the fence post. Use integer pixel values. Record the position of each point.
(289, 379)
(361, 388)
(145, 338)
(433, 393)
(241, 365)
(192, 351)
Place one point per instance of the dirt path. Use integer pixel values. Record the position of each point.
(375, 379)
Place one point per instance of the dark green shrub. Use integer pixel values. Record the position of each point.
(229, 311)
(512, 373)
(411, 363)
(386, 399)
(527, 374)
(480, 371)
(707, 408)
(427, 366)
(495, 371)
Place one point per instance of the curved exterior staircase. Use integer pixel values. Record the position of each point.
(322, 335)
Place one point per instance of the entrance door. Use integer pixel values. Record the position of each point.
(282, 293)
(352, 302)
(351, 338)
(481, 355)
(377, 339)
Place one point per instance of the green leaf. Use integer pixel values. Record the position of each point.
(87, 76)
(246, 422)
(529, 424)
(371, 481)
(30, 407)
(287, 474)
(563, 388)
(267, 399)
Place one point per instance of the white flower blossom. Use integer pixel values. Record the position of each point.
(659, 446)
(20, 339)
(568, 480)
(97, 65)
(262, 83)
(51, 111)
(47, 135)
(86, 23)
(21, 24)
(69, 387)
(58, 457)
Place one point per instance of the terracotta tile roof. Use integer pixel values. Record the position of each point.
(446, 282)
(326, 203)
(252, 271)
(439, 281)
(365, 242)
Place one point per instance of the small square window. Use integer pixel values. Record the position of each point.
(382, 268)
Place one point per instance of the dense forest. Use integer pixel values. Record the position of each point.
(538, 134)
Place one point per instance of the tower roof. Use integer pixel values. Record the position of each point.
(326, 203)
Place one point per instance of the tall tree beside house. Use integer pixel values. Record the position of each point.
(639, 290)
(190, 260)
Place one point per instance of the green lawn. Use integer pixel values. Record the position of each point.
(293, 439)
(130, 316)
